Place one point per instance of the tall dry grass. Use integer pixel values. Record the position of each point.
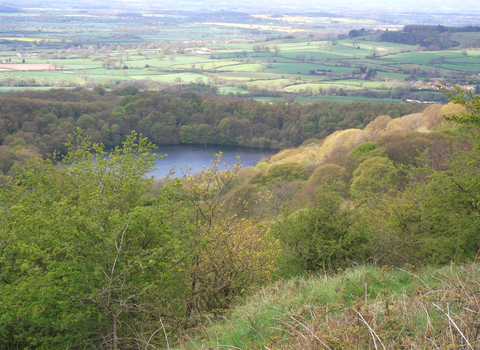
(365, 308)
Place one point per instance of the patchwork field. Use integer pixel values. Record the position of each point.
(263, 55)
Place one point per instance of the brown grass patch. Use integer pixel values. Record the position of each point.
(359, 310)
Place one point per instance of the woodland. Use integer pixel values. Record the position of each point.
(39, 122)
(432, 37)
(362, 234)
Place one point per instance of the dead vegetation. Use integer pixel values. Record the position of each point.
(364, 308)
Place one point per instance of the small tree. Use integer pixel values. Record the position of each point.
(467, 99)
(85, 255)
(320, 238)
(228, 254)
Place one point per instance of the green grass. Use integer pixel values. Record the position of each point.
(289, 68)
(5, 89)
(398, 76)
(117, 78)
(47, 76)
(247, 67)
(234, 90)
(207, 64)
(346, 99)
(169, 78)
(248, 75)
(264, 83)
(120, 72)
(422, 57)
(299, 46)
(463, 67)
(394, 47)
(343, 311)
(470, 59)
(238, 76)
(318, 54)
(350, 84)
(364, 83)
(298, 87)
(231, 65)
(267, 99)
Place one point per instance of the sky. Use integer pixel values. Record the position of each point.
(389, 6)
(462, 6)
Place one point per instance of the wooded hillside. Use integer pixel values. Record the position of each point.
(40, 121)
(95, 255)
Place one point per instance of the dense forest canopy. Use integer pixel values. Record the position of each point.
(39, 121)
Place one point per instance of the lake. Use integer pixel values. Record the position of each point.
(196, 157)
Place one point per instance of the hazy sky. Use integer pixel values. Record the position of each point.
(430, 6)
(393, 5)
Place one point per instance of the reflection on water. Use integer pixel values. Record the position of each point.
(197, 157)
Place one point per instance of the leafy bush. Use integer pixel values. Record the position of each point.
(375, 175)
(320, 238)
(286, 171)
(363, 150)
(329, 174)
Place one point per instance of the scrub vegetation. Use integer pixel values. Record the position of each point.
(367, 238)
(362, 232)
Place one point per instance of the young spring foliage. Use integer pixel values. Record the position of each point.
(469, 100)
(80, 251)
(89, 258)
(321, 237)
(227, 253)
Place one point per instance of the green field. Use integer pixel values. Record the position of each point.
(165, 52)
(4, 89)
(234, 90)
(345, 99)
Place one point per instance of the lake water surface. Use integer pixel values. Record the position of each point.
(196, 157)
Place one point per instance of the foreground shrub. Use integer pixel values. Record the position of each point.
(90, 258)
(321, 237)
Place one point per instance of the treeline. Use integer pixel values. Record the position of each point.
(432, 37)
(39, 121)
(411, 28)
(429, 38)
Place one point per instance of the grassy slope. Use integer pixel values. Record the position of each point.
(363, 308)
